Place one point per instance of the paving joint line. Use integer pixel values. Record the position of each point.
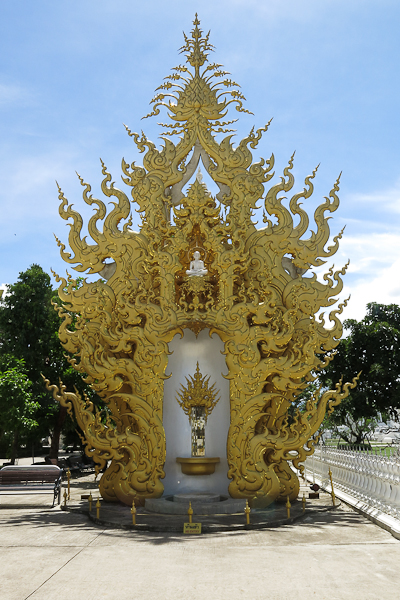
(64, 565)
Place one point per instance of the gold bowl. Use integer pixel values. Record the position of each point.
(198, 465)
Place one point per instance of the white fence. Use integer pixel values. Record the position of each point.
(371, 479)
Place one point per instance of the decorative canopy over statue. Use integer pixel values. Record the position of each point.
(200, 262)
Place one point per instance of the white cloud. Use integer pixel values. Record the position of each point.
(373, 273)
(13, 94)
(384, 288)
(372, 244)
(369, 253)
(34, 192)
(388, 198)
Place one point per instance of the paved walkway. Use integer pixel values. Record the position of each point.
(49, 554)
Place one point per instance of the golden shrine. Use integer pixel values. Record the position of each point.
(199, 266)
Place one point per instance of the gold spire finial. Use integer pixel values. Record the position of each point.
(200, 99)
(197, 48)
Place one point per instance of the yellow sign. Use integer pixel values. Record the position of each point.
(192, 528)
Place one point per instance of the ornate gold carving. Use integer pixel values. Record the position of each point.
(198, 392)
(259, 295)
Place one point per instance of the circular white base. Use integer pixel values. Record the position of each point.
(166, 506)
(200, 497)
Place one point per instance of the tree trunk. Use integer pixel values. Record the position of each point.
(55, 438)
(14, 448)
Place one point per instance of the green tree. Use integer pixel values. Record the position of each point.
(29, 331)
(17, 408)
(372, 347)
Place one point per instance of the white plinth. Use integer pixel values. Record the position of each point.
(186, 352)
(202, 497)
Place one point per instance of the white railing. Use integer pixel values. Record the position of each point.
(371, 479)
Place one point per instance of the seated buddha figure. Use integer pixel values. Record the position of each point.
(196, 266)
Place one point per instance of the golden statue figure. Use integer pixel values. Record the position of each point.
(255, 289)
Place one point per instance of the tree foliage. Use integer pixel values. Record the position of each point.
(372, 347)
(29, 332)
(17, 408)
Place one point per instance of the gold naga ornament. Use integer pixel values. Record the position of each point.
(253, 292)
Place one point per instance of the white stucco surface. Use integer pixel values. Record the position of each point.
(186, 352)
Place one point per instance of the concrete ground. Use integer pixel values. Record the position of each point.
(50, 554)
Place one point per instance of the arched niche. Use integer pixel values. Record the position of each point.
(186, 352)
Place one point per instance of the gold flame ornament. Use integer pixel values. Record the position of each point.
(259, 294)
(198, 392)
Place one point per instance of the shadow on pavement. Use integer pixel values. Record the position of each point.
(33, 516)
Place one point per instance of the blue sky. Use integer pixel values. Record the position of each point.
(72, 72)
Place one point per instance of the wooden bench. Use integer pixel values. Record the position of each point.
(34, 479)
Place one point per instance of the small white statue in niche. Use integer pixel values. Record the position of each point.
(197, 267)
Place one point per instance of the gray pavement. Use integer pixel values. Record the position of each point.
(53, 554)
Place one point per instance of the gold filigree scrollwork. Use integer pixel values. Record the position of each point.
(256, 290)
(197, 392)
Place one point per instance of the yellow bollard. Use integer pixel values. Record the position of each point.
(190, 512)
(65, 497)
(247, 512)
(332, 492)
(133, 511)
(303, 502)
(98, 508)
(69, 485)
(90, 501)
(288, 505)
